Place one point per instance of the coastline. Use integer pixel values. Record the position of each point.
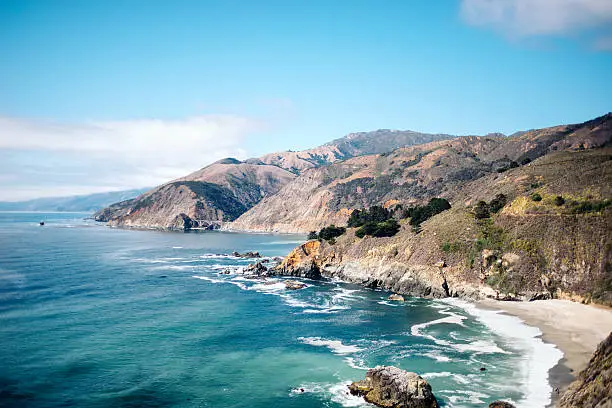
(574, 328)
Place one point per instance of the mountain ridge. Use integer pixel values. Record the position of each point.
(165, 207)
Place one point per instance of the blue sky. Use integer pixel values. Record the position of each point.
(103, 95)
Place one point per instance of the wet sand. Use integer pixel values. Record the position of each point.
(576, 329)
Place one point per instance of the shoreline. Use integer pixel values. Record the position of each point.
(573, 328)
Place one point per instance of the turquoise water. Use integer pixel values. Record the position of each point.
(97, 317)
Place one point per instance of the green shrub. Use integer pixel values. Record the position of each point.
(331, 232)
(481, 211)
(536, 197)
(374, 214)
(422, 213)
(498, 203)
(449, 247)
(591, 206)
(378, 229)
(313, 235)
(559, 201)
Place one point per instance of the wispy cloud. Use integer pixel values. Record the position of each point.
(43, 158)
(524, 18)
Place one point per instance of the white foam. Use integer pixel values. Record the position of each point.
(206, 278)
(177, 247)
(218, 267)
(458, 378)
(541, 357)
(174, 267)
(472, 397)
(218, 256)
(438, 356)
(337, 393)
(478, 346)
(269, 288)
(335, 346)
(326, 310)
(215, 280)
(387, 303)
(341, 395)
(356, 364)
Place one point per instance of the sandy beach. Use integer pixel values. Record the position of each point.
(576, 329)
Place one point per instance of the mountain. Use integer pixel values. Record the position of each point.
(327, 195)
(80, 203)
(544, 231)
(226, 189)
(203, 199)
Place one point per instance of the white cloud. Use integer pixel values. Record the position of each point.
(538, 17)
(41, 158)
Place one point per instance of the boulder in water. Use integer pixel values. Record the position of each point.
(256, 268)
(396, 297)
(501, 404)
(248, 254)
(391, 387)
(294, 285)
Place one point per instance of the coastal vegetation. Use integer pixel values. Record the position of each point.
(327, 233)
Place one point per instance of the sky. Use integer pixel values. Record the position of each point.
(108, 95)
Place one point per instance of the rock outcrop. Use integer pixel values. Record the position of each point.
(593, 387)
(391, 387)
(304, 261)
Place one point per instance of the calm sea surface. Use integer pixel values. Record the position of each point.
(92, 316)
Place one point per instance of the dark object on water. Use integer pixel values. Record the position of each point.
(501, 404)
(163, 276)
(42, 223)
(483, 369)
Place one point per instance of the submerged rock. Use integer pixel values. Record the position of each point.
(391, 387)
(294, 285)
(396, 297)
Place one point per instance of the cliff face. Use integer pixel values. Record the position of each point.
(530, 249)
(592, 388)
(224, 190)
(327, 195)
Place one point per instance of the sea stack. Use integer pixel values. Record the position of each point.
(392, 387)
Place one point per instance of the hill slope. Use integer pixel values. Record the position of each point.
(226, 189)
(327, 195)
(218, 192)
(549, 238)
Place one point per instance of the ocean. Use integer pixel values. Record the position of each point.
(92, 316)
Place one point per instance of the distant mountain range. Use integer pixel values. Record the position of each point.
(226, 189)
(80, 203)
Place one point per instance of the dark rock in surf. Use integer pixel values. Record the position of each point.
(501, 404)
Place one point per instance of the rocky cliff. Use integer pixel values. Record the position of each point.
(593, 387)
